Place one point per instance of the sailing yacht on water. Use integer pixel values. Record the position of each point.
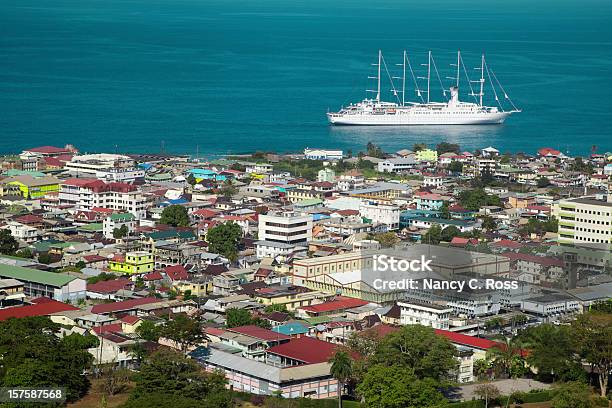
(375, 112)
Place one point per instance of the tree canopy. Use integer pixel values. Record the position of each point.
(474, 199)
(167, 375)
(8, 243)
(31, 355)
(224, 239)
(175, 215)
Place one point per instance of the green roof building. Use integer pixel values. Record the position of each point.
(38, 283)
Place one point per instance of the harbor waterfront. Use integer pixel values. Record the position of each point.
(217, 76)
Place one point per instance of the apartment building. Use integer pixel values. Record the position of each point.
(86, 194)
(377, 213)
(585, 221)
(287, 227)
(425, 314)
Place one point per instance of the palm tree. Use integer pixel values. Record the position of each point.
(503, 356)
(341, 370)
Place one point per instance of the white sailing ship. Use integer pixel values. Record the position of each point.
(375, 112)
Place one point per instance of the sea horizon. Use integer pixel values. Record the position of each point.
(222, 78)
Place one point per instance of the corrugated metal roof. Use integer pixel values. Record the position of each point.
(34, 275)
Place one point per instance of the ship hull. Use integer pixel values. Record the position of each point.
(417, 119)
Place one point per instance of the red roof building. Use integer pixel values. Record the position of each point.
(124, 306)
(304, 350)
(339, 304)
(176, 272)
(259, 333)
(468, 341)
(109, 286)
(41, 307)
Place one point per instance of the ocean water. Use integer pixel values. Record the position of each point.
(239, 75)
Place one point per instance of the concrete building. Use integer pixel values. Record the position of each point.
(585, 221)
(285, 227)
(58, 286)
(118, 220)
(397, 164)
(321, 154)
(387, 214)
(425, 314)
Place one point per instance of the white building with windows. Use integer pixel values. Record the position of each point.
(585, 221)
(321, 154)
(377, 213)
(285, 227)
(397, 164)
(425, 314)
(86, 194)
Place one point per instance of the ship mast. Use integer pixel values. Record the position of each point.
(428, 74)
(458, 62)
(378, 89)
(482, 64)
(403, 78)
(377, 77)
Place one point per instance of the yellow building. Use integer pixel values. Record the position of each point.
(199, 287)
(427, 155)
(32, 188)
(132, 262)
(291, 298)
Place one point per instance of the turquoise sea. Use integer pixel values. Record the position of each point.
(239, 75)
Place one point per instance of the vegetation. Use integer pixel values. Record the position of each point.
(8, 243)
(341, 369)
(477, 198)
(455, 167)
(121, 232)
(25, 253)
(175, 215)
(242, 317)
(184, 331)
(102, 276)
(446, 147)
(224, 239)
(573, 394)
(386, 239)
(167, 378)
(148, 330)
(32, 355)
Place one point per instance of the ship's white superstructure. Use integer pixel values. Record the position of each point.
(375, 112)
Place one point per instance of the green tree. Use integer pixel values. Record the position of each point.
(418, 348)
(417, 147)
(25, 253)
(33, 355)
(237, 317)
(341, 369)
(167, 373)
(228, 190)
(543, 182)
(446, 147)
(148, 330)
(8, 243)
(449, 233)
(387, 239)
(175, 215)
(224, 239)
(488, 223)
(592, 335)
(573, 394)
(455, 167)
(433, 235)
(184, 331)
(191, 180)
(120, 232)
(481, 368)
(552, 352)
(396, 386)
(444, 211)
(45, 258)
(374, 150)
(504, 357)
(477, 198)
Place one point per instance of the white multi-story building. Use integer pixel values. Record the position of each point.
(118, 220)
(387, 214)
(92, 163)
(288, 228)
(585, 221)
(425, 314)
(86, 194)
(321, 154)
(22, 232)
(397, 164)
